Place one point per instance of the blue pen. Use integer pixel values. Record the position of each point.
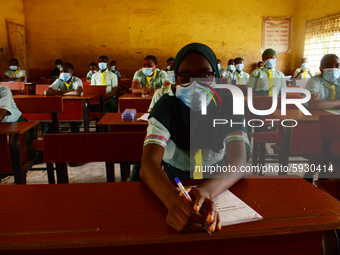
(187, 197)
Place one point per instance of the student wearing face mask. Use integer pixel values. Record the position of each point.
(148, 79)
(108, 78)
(15, 73)
(56, 71)
(263, 80)
(325, 87)
(66, 85)
(168, 138)
(303, 72)
(230, 69)
(170, 70)
(219, 65)
(93, 68)
(238, 77)
(113, 68)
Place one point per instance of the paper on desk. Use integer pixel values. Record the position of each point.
(334, 111)
(144, 117)
(233, 210)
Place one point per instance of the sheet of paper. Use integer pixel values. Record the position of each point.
(144, 117)
(334, 111)
(233, 210)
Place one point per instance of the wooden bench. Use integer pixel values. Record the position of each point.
(92, 147)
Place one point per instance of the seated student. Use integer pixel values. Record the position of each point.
(263, 80)
(9, 112)
(113, 68)
(219, 65)
(230, 69)
(168, 138)
(105, 77)
(93, 69)
(239, 77)
(325, 87)
(159, 93)
(170, 70)
(148, 79)
(67, 85)
(15, 73)
(303, 72)
(56, 71)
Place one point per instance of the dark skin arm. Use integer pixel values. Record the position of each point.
(53, 92)
(136, 89)
(5, 79)
(3, 113)
(181, 215)
(112, 93)
(316, 104)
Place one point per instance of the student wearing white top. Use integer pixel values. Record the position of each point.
(238, 77)
(303, 72)
(108, 78)
(15, 73)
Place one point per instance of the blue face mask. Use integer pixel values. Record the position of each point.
(305, 65)
(231, 67)
(13, 68)
(239, 67)
(58, 66)
(113, 68)
(147, 71)
(102, 65)
(65, 76)
(331, 74)
(270, 63)
(219, 66)
(191, 96)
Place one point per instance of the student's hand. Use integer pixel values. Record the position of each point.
(316, 96)
(184, 217)
(146, 91)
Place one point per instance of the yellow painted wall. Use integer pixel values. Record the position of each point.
(308, 10)
(127, 31)
(13, 11)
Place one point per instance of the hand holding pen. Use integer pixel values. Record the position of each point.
(213, 216)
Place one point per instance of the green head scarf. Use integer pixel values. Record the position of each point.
(238, 59)
(201, 48)
(170, 59)
(269, 51)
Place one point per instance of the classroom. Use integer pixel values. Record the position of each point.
(170, 126)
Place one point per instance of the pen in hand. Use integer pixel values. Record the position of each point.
(187, 197)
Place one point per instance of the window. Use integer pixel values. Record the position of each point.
(322, 37)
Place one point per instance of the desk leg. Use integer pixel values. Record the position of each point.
(62, 174)
(50, 173)
(14, 149)
(286, 139)
(86, 115)
(55, 123)
(110, 171)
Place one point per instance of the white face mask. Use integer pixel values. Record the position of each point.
(191, 95)
(147, 71)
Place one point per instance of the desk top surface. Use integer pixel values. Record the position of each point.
(299, 115)
(118, 214)
(133, 96)
(112, 119)
(87, 97)
(11, 128)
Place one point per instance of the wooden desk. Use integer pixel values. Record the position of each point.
(132, 101)
(30, 88)
(126, 218)
(10, 147)
(76, 109)
(113, 123)
(302, 139)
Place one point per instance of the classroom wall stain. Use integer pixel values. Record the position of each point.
(128, 31)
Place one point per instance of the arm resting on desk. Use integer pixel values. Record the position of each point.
(315, 104)
(5, 79)
(136, 89)
(51, 92)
